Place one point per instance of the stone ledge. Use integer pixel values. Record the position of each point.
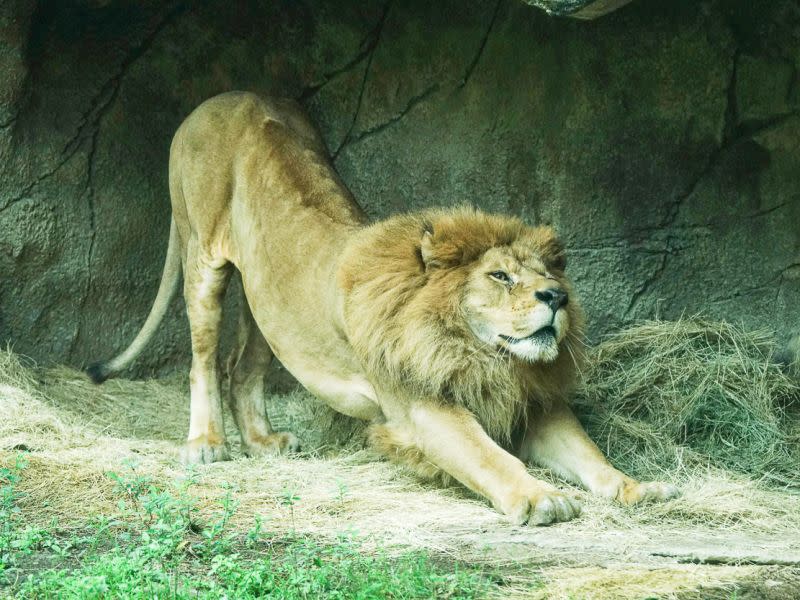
(579, 9)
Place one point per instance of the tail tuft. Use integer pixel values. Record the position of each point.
(98, 372)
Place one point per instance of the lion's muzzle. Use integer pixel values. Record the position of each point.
(555, 298)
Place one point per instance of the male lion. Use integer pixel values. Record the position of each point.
(451, 331)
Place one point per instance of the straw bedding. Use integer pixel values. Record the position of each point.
(664, 394)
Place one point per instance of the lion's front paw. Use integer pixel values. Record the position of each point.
(271, 445)
(634, 492)
(544, 507)
(205, 450)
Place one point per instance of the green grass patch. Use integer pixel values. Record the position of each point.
(161, 549)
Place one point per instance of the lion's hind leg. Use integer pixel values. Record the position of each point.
(247, 369)
(205, 280)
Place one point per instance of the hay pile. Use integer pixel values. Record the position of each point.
(665, 395)
(699, 404)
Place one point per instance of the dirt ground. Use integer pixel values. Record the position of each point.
(727, 536)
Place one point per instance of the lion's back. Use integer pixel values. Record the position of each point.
(232, 122)
(266, 145)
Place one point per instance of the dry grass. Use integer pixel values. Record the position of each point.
(667, 395)
(694, 403)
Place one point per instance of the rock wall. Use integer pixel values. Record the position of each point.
(662, 140)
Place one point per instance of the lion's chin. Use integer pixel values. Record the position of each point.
(536, 349)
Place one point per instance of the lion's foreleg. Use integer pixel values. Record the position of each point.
(451, 439)
(398, 445)
(555, 439)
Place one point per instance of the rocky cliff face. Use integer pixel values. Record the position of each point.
(662, 140)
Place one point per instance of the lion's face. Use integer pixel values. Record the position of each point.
(515, 302)
(512, 292)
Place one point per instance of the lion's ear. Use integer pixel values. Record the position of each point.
(427, 249)
(552, 248)
(445, 247)
(557, 255)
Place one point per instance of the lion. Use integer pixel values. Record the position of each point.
(455, 333)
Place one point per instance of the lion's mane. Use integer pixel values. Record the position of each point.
(405, 322)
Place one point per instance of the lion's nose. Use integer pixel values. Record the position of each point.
(553, 297)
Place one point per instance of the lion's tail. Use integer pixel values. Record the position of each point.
(170, 278)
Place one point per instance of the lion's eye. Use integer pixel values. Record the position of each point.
(501, 276)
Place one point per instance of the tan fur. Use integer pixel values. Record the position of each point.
(452, 331)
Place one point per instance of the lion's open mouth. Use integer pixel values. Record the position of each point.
(544, 334)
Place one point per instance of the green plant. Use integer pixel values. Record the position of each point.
(254, 534)
(216, 538)
(342, 490)
(15, 539)
(158, 548)
(288, 498)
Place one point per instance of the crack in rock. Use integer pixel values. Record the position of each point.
(10, 122)
(731, 114)
(766, 211)
(90, 191)
(367, 46)
(349, 138)
(726, 137)
(792, 81)
(412, 102)
(476, 59)
(782, 279)
(94, 117)
(103, 100)
(370, 55)
(752, 128)
(28, 189)
(777, 278)
(645, 287)
(99, 106)
(731, 134)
